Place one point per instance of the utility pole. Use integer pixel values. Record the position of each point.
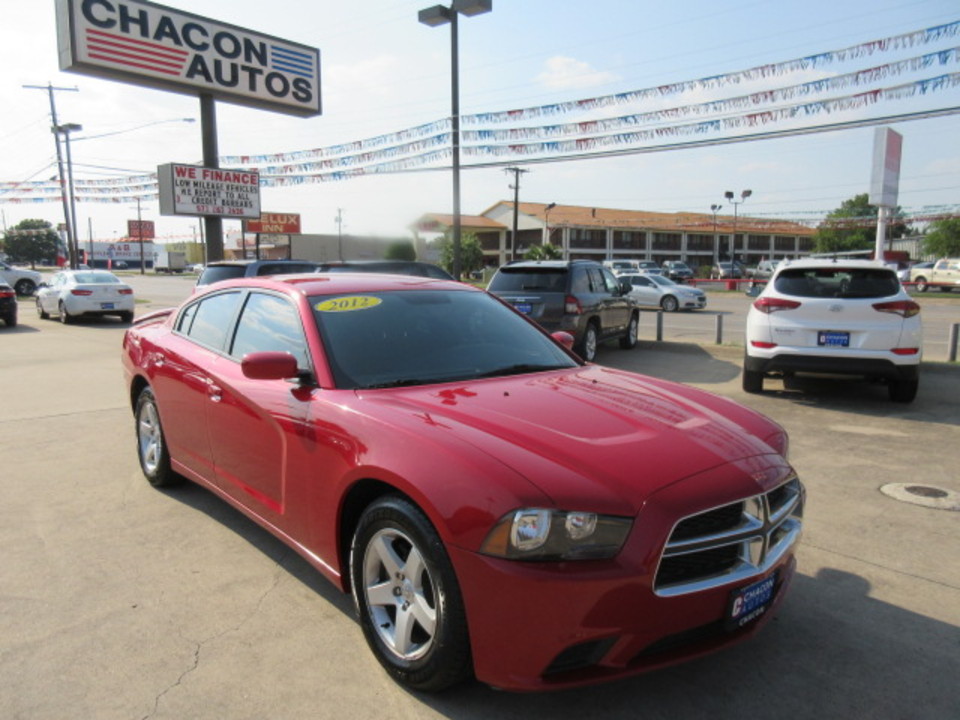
(71, 230)
(339, 221)
(512, 255)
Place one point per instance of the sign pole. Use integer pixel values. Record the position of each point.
(211, 159)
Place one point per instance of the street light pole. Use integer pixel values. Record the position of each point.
(716, 240)
(546, 222)
(441, 15)
(66, 129)
(736, 203)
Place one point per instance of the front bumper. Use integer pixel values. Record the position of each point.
(542, 626)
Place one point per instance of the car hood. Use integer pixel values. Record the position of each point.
(590, 437)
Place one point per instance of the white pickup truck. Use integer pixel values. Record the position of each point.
(20, 279)
(945, 274)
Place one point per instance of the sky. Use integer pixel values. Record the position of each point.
(382, 72)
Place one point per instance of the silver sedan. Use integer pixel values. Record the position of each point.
(660, 291)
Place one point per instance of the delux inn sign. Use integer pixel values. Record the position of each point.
(155, 46)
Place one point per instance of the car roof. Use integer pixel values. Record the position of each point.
(336, 283)
(831, 262)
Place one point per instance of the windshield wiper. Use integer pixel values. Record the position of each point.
(518, 369)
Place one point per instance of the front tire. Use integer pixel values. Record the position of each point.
(921, 285)
(151, 443)
(25, 287)
(587, 349)
(629, 341)
(669, 303)
(407, 597)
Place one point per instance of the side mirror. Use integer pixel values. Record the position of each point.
(269, 366)
(564, 338)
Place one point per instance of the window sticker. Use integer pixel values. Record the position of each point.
(348, 304)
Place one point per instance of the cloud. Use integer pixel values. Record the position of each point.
(561, 73)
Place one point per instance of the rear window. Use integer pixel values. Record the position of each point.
(838, 282)
(286, 268)
(524, 279)
(218, 273)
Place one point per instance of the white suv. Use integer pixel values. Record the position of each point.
(847, 317)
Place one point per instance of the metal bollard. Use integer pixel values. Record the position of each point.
(719, 338)
(952, 344)
(659, 325)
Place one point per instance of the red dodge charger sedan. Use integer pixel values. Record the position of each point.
(497, 507)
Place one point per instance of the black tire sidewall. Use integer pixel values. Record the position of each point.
(164, 475)
(448, 660)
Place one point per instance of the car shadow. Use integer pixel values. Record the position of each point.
(679, 362)
(831, 651)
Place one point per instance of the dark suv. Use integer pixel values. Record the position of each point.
(232, 269)
(677, 271)
(580, 297)
(8, 304)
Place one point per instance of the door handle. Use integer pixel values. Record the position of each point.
(214, 391)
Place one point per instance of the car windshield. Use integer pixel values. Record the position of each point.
(838, 282)
(420, 337)
(542, 279)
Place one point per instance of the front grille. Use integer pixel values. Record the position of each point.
(734, 541)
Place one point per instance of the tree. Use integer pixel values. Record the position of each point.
(471, 253)
(543, 252)
(31, 241)
(943, 238)
(853, 226)
(401, 250)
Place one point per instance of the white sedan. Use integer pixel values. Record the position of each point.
(74, 293)
(662, 292)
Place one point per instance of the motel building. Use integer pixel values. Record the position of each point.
(592, 233)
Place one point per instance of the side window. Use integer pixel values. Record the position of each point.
(269, 324)
(581, 283)
(596, 280)
(612, 286)
(212, 319)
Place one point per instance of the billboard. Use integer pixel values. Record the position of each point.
(141, 229)
(192, 190)
(885, 179)
(274, 223)
(155, 46)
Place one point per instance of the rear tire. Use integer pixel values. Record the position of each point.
(752, 381)
(903, 391)
(43, 314)
(25, 287)
(126, 317)
(629, 341)
(10, 320)
(921, 285)
(65, 317)
(587, 348)
(151, 443)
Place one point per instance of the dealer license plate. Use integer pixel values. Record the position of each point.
(106, 306)
(525, 308)
(750, 602)
(833, 339)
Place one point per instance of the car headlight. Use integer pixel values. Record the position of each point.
(543, 534)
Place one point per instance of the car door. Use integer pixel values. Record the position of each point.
(616, 306)
(254, 423)
(181, 375)
(645, 291)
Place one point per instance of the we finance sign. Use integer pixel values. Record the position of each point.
(156, 46)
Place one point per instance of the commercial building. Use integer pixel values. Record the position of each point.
(606, 234)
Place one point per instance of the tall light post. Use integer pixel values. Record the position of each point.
(716, 240)
(65, 130)
(744, 194)
(441, 15)
(546, 222)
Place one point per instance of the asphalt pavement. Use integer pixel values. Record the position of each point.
(121, 601)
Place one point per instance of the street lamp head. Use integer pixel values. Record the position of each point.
(716, 208)
(746, 193)
(67, 128)
(549, 207)
(728, 194)
(434, 16)
(472, 7)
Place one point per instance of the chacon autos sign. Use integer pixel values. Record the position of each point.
(156, 46)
